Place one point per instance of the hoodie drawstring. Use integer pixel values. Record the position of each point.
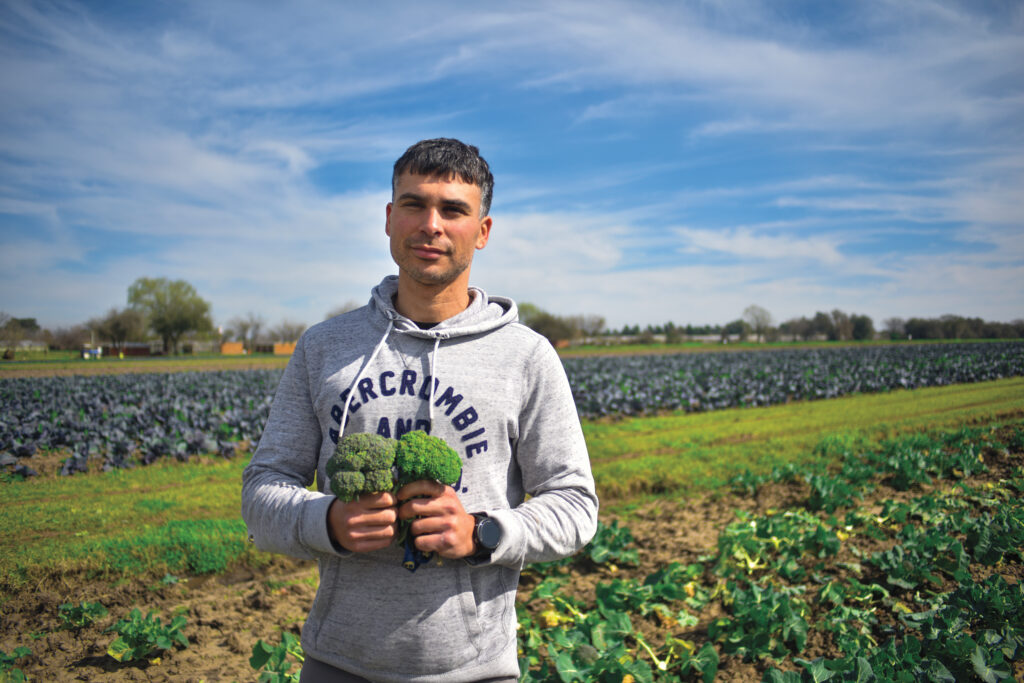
(359, 376)
(433, 381)
(369, 361)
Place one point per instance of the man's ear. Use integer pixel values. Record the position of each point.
(485, 232)
(387, 219)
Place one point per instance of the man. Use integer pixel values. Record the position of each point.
(427, 352)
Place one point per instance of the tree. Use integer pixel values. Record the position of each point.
(759, 320)
(739, 327)
(527, 313)
(288, 331)
(823, 325)
(69, 338)
(172, 308)
(842, 326)
(863, 328)
(593, 325)
(557, 328)
(923, 328)
(552, 327)
(120, 327)
(673, 334)
(798, 327)
(895, 327)
(11, 334)
(247, 330)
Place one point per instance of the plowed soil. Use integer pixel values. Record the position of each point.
(227, 614)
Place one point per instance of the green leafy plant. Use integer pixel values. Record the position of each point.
(612, 544)
(765, 620)
(76, 617)
(573, 644)
(829, 492)
(141, 637)
(272, 661)
(9, 672)
(754, 544)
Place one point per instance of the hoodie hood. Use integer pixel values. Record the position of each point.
(483, 314)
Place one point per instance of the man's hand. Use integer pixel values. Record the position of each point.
(439, 522)
(365, 524)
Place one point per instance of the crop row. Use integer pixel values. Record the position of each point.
(917, 591)
(632, 385)
(119, 420)
(122, 419)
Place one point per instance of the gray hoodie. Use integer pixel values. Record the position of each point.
(501, 399)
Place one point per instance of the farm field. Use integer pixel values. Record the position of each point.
(831, 490)
(114, 366)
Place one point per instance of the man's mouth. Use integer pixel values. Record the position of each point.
(427, 252)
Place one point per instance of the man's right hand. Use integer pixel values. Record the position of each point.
(368, 523)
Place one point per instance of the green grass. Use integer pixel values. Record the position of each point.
(185, 517)
(712, 347)
(63, 364)
(89, 522)
(683, 454)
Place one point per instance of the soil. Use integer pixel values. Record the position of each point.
(227, 614)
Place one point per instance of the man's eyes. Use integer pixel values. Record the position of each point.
(452, 210)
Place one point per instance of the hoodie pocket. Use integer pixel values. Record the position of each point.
(379, 617)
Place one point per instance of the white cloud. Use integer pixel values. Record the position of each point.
(193, 142)
(746, 244)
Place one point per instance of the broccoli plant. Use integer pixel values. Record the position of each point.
(361, 463)
(370, 463)
(421, 456)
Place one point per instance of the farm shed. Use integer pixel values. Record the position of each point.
(234, 348)
(284, 348)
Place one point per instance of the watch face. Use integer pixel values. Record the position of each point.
(488, 533)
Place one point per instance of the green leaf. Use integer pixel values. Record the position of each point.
(566, 668)
(864, 672)
(119, 649)
(260, 655)
(816, 669)
(984, 671)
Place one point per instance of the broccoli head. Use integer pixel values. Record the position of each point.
(361, 464)
(421, 456)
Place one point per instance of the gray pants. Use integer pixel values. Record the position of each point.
(315, 671)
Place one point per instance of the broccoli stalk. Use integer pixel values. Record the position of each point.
(370, 463)
(421, 456)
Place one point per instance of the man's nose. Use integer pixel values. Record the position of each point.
(432, 221)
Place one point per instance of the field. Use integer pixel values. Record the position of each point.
(808, 536)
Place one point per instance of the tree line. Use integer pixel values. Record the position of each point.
(172, 310)
(837, 325)
(157, 308)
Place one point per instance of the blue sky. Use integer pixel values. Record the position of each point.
(654, 161)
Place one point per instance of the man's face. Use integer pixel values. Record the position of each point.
(434, 226)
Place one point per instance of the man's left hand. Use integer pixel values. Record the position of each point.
(439, 522)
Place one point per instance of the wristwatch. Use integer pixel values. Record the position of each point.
(486, 536)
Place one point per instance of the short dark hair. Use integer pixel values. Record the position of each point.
(449, 158)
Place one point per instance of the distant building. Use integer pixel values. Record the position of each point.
(235, 348)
